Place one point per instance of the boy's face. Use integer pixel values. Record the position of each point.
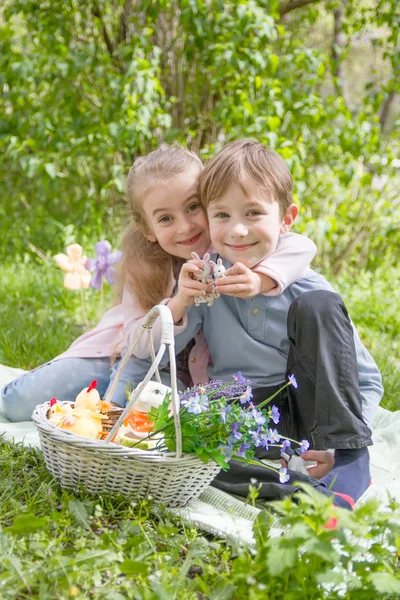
(246, 229)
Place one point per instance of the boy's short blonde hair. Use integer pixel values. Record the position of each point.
(249, 164)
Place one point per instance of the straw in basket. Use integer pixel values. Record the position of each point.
(170, 478)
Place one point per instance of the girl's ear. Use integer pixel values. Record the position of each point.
(289, 218)
(149, 236)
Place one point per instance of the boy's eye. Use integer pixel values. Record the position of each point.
(253, 213)
(164, 219)
(221, 215)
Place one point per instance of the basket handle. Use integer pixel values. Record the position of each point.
(167, 339)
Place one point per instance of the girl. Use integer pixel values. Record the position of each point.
(167, 225)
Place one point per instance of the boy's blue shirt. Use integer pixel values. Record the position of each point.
(251, 336)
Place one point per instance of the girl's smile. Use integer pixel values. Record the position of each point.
(174, 216)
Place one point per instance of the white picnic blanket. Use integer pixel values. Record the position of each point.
(219, 513)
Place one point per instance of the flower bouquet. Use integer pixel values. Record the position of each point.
(218, 422)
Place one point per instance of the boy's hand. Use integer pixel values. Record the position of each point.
(324, 459)
(241, 282)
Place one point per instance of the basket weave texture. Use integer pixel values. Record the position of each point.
(104, 467)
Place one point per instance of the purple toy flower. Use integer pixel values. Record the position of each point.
(304, 446)
(103, 264)
(286, 444)
(293, 381)
(283, 475)
(275, 415)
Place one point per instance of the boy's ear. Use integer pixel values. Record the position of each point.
(289, 218)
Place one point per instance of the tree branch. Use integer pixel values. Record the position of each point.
(96, 13)
(385, 108)
(123, 21)
(337, 48)
(293, 4)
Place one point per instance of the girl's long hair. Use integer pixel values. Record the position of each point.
(146, 268)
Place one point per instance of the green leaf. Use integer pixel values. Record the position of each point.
(26, 524)
(280, 558)
(51, 170)
(385, 583)
(223, 592)
(133, 567)
(78, 510)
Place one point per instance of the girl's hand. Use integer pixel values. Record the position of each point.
(241, 282)
(188, 288)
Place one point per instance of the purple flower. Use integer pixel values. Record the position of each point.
(264, 441)
(283, 475)
(226, 450)
(273, 436)
(196, 404)
(275, 415)
(304, 446)
(235, 431)
(224, 412)
(218, 389)
(258, 416)
(286, 444)
(239, 377)
(103, 264)
(242, 450)
(293, 381)
(247, 396)
(256, 437)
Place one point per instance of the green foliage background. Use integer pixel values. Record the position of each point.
(88, 85)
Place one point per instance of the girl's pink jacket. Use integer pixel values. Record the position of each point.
(120, 325)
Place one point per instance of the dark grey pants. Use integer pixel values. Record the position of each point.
(326, 407)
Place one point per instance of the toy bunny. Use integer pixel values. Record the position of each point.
(218, 271)
(294, 461)
(204, 277)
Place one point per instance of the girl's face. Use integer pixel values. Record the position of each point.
(174, 216)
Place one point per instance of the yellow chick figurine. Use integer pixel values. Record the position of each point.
(58, 410)
(83, 426)
(89, 397)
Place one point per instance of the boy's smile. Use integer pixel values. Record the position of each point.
(246, 227)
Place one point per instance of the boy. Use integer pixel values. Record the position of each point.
(306, 331)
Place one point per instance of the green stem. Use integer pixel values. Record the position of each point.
(273, 396)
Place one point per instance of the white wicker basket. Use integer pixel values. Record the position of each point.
(101, 466)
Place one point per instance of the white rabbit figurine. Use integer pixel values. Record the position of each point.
(218, 271)
(204, 277)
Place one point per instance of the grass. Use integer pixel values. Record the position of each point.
(59, 544)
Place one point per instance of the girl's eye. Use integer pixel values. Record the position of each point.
(253, 213)
(193, 206)
(221, 215)
(165, 219)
